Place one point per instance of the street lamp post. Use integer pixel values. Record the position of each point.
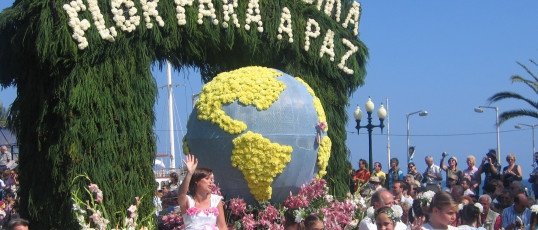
(381, 113)
(421, 113)
(532, 126)
(480, 109)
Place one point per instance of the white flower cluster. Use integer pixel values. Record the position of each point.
(427, 197)
(329, 5)
(309, 1)
(311, 34)
(229, 7)
(150, 9)
(253, 15)
(534, 208)
(354, 12)
(181, 17)
(397, 212)
(285, 19)
(298, 216)
(328, 45)
(209, 12)
(352, 49)
(106, 33)
(125, 24)
(78, 26)
(460, 206)
(480, 207)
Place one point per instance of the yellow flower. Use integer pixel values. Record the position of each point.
(260, 161)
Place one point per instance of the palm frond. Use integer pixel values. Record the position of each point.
(505, 116)
(532, 84)
(511, 95)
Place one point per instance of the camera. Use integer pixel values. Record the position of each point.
(445, 154)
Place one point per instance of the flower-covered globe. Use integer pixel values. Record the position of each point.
(261, 131)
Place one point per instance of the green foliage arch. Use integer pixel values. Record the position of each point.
(91, 110)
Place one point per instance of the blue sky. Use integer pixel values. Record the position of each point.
(446, 57)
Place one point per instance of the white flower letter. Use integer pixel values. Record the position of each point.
(329, 8)
(352, 49)
(328, 45)
(355, 12)
(180, 8)
(229, 7)
(150, 9)
(309, 1)
(209, 12)
(78, 26)
(106, 33)
(285, 25)
(125, 24)
(253, 15)
(309, 33)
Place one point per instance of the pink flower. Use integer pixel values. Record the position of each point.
(93, 188)
(192, 211)
(322, 125)
(215, 190)
(96, 216)
(238, 206)
(99, 196)
(248, 222)
(214, 210)
(132, 210)
(266, 218)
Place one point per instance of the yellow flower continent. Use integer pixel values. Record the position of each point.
(251, 85)
(260, 161)
(324, 152)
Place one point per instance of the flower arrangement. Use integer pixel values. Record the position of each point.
(250, 85)
(260, 161)
(253, 15)
(93, 211)
(352, 49)
(285, 25)
(210, 12)
(477, 205)
(99, 21)
(311, 199)
(329, 6)
(354, 12)
(395, 213)
(426, 198)
(125, 24)
(328, 45)
(229, 7)
(78, 26)
(150, 10)
(309, 33)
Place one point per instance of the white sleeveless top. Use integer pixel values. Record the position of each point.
(197, 219)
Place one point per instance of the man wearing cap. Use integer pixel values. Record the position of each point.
(451, 171)
(376, 183)
(490, 166)
(5, 157)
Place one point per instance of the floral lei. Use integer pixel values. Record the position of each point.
(394, 213)
(195, 211)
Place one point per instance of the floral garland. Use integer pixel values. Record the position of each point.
(251, 85)
(324, 153)
(253, 15)
(328, 45)
(329, 5)
(311, 34)
(426, 198)
(125, 24)
(78, 26)
(477, 205)
(229, 7)
(210, 12)
(352, 49)
(260, 161)
(354, 12)
(106, 33)
(150, 9)
(395, 213)
(285, 19)
(534, 208)
(180, 9)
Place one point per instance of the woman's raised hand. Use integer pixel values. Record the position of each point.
(190, 162)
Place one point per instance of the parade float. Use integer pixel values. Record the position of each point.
(86, 94)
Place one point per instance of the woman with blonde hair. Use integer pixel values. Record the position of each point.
(471, 174)
(512, 172)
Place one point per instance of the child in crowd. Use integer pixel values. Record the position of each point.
(471, 217)
(312, 222)
(466, 184)
(441, 211)
(383, 219)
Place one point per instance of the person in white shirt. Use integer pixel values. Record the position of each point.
(381, 198)
(432, 175)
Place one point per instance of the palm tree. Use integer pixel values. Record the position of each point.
(3, 115)
(533, 84)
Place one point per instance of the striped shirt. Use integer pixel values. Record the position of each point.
(509, 216)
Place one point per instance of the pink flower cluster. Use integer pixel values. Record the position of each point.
(172, 219)
(267, 217)
(95, 189)
(316, 189)
(216, 190)
(339, 214)
(248, 222)
(238, 206)
(192, 211)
